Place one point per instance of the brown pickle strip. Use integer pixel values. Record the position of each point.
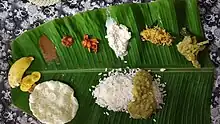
(48, 48)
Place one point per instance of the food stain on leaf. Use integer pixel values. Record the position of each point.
(48, 48)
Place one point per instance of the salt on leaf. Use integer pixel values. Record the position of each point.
(162, 69)
(106, 113)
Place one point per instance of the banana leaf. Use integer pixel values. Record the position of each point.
(188, 89)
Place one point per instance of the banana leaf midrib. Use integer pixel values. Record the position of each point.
(206, 69)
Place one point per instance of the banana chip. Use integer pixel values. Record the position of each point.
(29, 80)
(35, 76)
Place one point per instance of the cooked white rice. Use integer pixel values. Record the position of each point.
(114, 92)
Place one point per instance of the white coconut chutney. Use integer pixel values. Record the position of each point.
(118, 36)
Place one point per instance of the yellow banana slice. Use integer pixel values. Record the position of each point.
(35, 76)
(17, 70)
(28, 81)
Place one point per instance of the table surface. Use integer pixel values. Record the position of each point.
(16, 16)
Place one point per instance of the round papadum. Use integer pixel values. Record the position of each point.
(53, 102)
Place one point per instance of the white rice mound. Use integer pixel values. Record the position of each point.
(52, 102)
(114, 92)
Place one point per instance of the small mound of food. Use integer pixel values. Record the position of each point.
(53, 102)
(114, 92)
(67, 41)
(190, 49)
(144, 103)
(157, 35)
(133, 91)
(90, 43)
(118, 37)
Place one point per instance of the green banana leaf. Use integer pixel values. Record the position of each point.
(189, 89)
